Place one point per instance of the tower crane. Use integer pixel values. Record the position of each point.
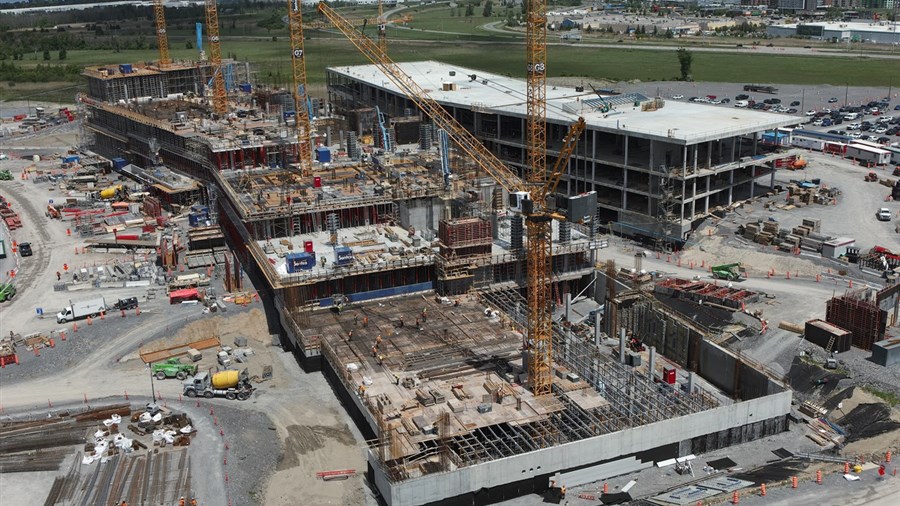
(536, 188)
(382, 29)
(537, 225)
(298, 66)
(162, 38)
(220, 97)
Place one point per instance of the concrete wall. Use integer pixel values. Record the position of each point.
(717, 367)
(419, 213)
(439, 486)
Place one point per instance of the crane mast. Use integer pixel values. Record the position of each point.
(382, 29)
(538, 225)
(540, 185)
(162, 38)
(298, 67)
(220, 97)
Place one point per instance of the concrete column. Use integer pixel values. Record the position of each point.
(625, 189)
(597, 330)
(755, 142)
(733, 147)
(696, 154)
(684, 158)
(730, 186)
(650, 160)
(694, 199)
(651, 362)
(772, 180)
(625, 162)
(708, 154)
(622, 345)
(567, 301)
(690, 384)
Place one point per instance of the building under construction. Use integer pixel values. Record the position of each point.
(657, 166)
(399, 270)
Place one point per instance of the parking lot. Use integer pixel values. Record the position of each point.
(819, 108)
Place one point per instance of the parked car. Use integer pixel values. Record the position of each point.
(792, 111)
(677, 97)
(884, 214)
(897, 107)
(25, 249)
(743, 96)
(795, 103)
(832, 100)
(810, 112)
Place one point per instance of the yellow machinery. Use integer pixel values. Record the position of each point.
(537, 221)
(538, 186)
(220, 96)
(113, 192)
(162, 38)
(298, 65)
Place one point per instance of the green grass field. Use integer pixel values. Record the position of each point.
(470, 46)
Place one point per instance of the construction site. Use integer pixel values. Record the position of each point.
(442, 244)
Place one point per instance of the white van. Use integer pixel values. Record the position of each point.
(741, 103)
(851, 116)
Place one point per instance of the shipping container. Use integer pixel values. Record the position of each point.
(323, 154)
(125, 68)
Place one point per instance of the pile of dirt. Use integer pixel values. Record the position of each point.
(250, 324)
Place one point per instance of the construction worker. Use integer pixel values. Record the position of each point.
(425, 315)
(355, 319)
(181, 501)
(365, 322)
(349, 336)
(193, 502)
(58, 276)
(377, 339)
(401, 322)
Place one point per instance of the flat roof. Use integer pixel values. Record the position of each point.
(675, 122)
(879, 27)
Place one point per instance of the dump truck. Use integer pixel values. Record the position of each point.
(230, 384)
(80, 309)
(173, 368)
(730, 272)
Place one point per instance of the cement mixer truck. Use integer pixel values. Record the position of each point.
(230, 384)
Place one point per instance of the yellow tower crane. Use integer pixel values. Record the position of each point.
(298, 65)
(220, 96)
(538, 187)
(537, 225)
(162, 38)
